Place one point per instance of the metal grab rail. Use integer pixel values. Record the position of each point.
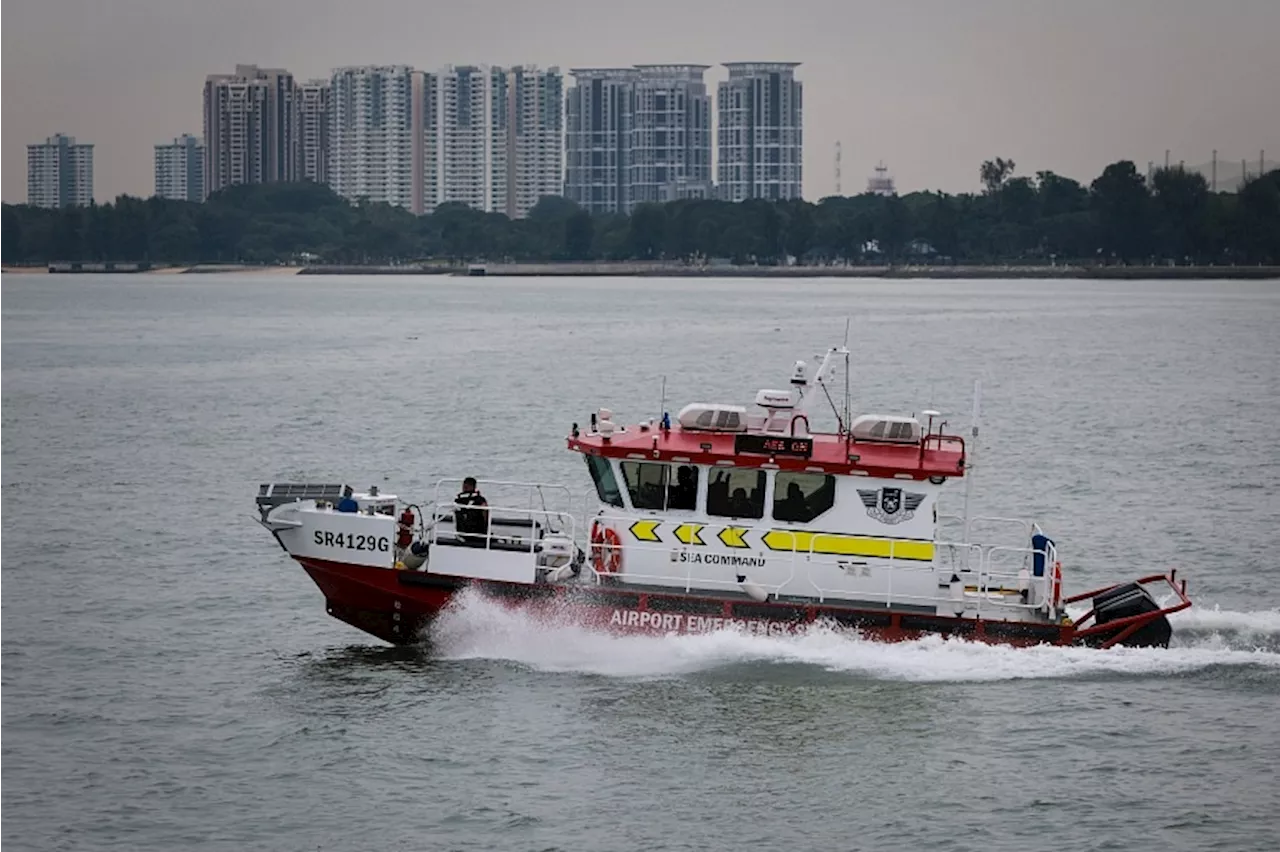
(888, 599)
(568, 525)
(534, 489)
(986, 579)
(1049, 554)
(1130, 624)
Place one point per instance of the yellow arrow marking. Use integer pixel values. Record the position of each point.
(849, 545)
(646, 530)
(732, 536)
(688, 533)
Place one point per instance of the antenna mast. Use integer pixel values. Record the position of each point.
(971, 452)
(848, 410)
(838, 192)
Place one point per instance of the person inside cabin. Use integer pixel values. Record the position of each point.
(718, 494)
(684, 494)
(793, 508)
(739, 505)
(471, 523)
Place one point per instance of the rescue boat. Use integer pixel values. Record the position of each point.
(727, 518)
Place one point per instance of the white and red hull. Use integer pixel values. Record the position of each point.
(398, 605)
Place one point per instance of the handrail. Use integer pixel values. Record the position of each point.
(1130, 623)
(567, 521)
(983, 580)
(1045, 581)
(533, 488)
(993, 520)
(939, 439)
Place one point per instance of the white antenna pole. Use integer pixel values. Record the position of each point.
(848, 410)
(662, 404)
(971, 452)
(838, 173)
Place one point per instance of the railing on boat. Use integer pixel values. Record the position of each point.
(980, 566)
(533, 490)
(1132, 623)
(984, 580)
(504, 520)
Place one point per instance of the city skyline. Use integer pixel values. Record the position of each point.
(930, 88)
(494, 138)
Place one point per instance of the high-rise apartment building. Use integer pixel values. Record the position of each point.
(372, 137)
(670, 155)
(59, 172)
(637, 135)
(425, 120)
(599, 110)
(313, 130)
(180, 169)
(534, 138)
(466, 131)
(492, 137)
(250, 127)
(760, 131)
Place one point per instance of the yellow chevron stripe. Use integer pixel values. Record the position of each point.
(732, 536)
(848, 545)
(688, 533)
(646, 530)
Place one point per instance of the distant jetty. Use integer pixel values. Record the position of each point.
(659, 269)
(92, 267)
(679, 270)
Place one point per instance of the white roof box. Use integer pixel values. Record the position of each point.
(775, 399)
(883, 427)
(713, 417)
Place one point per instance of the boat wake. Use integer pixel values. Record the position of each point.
(475, 628)
(1243, 630)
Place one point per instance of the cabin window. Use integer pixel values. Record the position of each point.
(653, 486)
(646, 483)
(800, 497)
(683, 493)
(896, 431)
(736, 493)
(606, 484)
(729, 421)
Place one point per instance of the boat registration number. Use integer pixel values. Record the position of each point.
(353, 541)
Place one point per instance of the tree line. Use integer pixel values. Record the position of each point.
(1121, 217)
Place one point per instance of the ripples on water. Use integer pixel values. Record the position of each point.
(171, 682)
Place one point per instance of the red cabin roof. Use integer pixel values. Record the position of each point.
(938, 455)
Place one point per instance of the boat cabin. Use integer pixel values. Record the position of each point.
(754, 502)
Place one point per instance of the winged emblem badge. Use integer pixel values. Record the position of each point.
(890, 505)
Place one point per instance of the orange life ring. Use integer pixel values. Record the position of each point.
(606, 549)
(1057, 583)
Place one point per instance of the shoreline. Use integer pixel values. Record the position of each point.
(666, 270)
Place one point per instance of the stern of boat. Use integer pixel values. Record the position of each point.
(1130, 614)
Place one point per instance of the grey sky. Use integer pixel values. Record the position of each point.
(931, 87)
